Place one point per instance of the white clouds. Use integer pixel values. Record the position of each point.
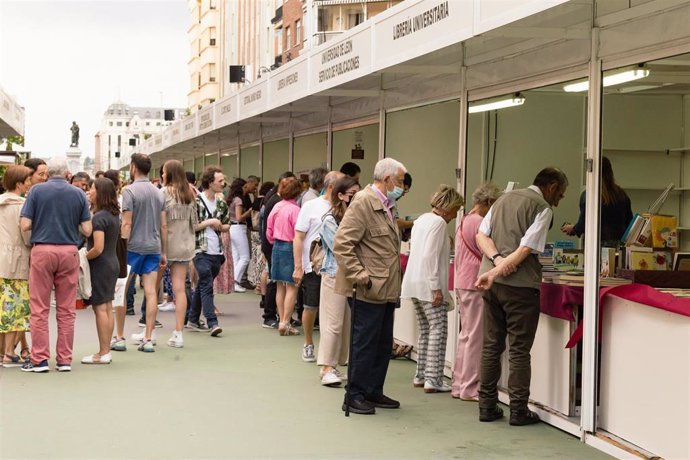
(69, 60)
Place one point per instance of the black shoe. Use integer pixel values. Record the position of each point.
(247, 285)
(270, 324)
(130, 312)
(523, 417)
(295, 322)
(360, 406)
(489, 415)
(384, 402)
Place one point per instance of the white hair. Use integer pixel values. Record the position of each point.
(57, 168)
(387, 167)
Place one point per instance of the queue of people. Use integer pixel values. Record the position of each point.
(330, 249)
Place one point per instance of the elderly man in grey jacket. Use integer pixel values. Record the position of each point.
(367, 248)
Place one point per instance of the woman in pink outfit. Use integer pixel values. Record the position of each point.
(471, 305)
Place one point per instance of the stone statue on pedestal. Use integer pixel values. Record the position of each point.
(75, 134)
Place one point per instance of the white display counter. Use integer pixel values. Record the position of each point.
(645, 377)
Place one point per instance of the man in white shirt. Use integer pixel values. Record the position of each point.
(511, 236)
(306, 231)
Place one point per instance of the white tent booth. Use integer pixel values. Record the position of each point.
(401, 84)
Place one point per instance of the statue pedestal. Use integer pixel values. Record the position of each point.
(74, 160)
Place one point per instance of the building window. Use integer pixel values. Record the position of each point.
(212, 72)
(288, 43)
(212, 4)
(212, 36)
(158, 123)
(119, 141)
(111, 123)
(127, 124)
(279, 39)
(148, 123)
(109, 140)
(211, 101)
(119, 123)
(298, 33)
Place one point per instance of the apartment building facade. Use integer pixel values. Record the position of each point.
(206, 64)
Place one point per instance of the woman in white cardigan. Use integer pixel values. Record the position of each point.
(426, 284)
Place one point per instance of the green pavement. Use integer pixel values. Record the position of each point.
(246, 394)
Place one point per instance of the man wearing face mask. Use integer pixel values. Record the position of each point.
(367, 249)
(511, 236)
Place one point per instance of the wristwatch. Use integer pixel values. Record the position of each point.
(493, 258)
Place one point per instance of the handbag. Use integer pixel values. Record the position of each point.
(316, 255)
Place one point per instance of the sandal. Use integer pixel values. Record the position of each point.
(291, 331)
(25, 354)
(14, 361)
(401, 351)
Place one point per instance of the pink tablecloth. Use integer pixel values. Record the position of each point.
(558, 300)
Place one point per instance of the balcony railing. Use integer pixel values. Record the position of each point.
(323, 37)
(279, 15)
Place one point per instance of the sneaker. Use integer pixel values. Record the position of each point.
(239, 288)
(417, 382)
(130, 312)
(270, 324)
(118, 344)
(176, 340)
(31, 367)
(146, 347)
(139, 338)
(199, 327)
(340, 375)
(167, 306)
(216, 330)
(142, 323)
(63, 367)
(308, 353)
(331, 379)
(433, 388)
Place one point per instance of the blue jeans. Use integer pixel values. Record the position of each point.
(207, 267)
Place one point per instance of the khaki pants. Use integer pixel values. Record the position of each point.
(512, 312)
(334, 323)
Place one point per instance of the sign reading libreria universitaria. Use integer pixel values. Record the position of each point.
(421, 21)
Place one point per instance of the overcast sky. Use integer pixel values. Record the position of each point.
(69, 60)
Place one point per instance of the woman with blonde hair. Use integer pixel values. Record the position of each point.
(426, 284)
(180, 222)
(468, 256)
(14, 264)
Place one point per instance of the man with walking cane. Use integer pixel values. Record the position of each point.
(367, 249)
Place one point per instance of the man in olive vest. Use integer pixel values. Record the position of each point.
(511, 236)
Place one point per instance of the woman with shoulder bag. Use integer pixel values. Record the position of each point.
(256, 273)
(426, 283)
(334, 312)
(471, 305)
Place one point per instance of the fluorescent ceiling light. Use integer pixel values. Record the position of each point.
(610, 80)
(495, 104)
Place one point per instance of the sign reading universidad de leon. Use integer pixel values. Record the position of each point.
(337, 62)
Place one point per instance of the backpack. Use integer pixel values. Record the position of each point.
(316, 255)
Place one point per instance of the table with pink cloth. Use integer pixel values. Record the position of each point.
(559, 301)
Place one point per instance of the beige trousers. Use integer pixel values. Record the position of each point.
(334, 321)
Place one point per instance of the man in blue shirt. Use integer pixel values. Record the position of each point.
(58, 215)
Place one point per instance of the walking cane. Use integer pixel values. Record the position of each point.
(349, 359)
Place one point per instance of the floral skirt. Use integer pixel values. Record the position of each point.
(225, 281)
(257, 264)
(14, 305)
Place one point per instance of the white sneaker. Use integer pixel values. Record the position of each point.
(342, 376)
(308, 354)
(167, 306)
(417, 382)
(331, 379)
(139, 338)
(176, 340)
(239, 288)
(431, 388)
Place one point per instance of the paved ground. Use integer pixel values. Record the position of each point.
(246, 394)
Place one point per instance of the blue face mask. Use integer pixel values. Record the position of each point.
(395, 194)
(322, 192)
